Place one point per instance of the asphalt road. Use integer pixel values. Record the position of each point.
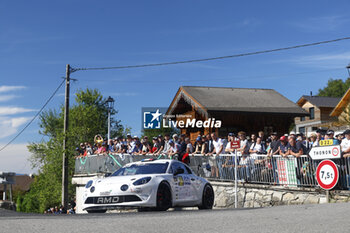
(303, 218)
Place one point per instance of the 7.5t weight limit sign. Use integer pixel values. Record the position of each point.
(327, 174)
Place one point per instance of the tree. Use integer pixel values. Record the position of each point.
(335, 88)
(88, 117)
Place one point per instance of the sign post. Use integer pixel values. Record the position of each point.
(236, 179)
(235, 145)
(327, 174)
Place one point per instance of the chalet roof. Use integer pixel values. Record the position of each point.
(238, 100)
(319, 101)
(341, 105)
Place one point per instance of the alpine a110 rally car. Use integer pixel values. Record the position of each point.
(156, 184)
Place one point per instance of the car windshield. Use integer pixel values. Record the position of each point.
(139, 169)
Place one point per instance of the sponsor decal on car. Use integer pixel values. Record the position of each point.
(181, 181)
(107, 200)
(105, 193)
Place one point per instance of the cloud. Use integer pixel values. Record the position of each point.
(14, 110)
(5, 88)
(4, 98)
(9, 126)
(14, 158)
(323, 23)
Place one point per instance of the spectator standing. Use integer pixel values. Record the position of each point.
(294, 148)
(166, 143)
(101, 149)
(312, 140)
(244, 149)
(230, 138)
(161, 144)
(110, 147)
(330, 135)
(210, 144)
(182, 146)
(257, 147)
(261, 135)
(156, 145)
(345, 144)
(146, 148)
(218, 149)
(200, 146)
(189, 150)
(89, 150)
(283, 147)
(274, 145)
(319, 137)
(174, 148)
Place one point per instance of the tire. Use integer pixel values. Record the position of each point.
(207, 198)
(96, 211)
(163, 197)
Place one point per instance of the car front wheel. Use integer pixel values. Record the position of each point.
(163, 197)
(207, 198)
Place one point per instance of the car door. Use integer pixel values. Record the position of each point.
(183, 189)
(196, 184)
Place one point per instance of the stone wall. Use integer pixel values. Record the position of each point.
(250, 195)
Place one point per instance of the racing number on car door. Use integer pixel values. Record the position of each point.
(183, 184)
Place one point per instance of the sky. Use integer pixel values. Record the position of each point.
(38, 39)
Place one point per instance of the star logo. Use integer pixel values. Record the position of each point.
(152, 119)
(156, 115)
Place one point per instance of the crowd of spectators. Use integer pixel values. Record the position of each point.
(251, 151)
(295, 144)
(61, 210)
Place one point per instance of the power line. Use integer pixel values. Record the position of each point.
(213, 58)
(216, 79)
(36, 115)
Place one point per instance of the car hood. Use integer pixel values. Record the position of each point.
(113, 180)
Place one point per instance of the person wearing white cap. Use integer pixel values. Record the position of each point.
(345, 144)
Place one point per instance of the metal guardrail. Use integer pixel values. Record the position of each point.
(261, 169)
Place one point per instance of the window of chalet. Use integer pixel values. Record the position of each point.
(302, 118)
(312, 113)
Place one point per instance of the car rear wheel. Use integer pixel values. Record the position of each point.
(96, 211)
(163, 197)
(207, 198)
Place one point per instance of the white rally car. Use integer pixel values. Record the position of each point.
(156, 184)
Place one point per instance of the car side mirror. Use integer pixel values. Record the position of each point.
(179, 171)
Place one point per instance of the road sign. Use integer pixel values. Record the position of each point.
(327, 174)
(236, 144)
(325, 152)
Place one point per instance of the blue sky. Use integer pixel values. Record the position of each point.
(38, 38)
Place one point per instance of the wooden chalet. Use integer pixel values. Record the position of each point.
(319, 108)
(247, 109)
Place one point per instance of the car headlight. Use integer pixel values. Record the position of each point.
(88, 184)
(142, 181)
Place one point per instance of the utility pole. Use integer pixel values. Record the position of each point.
(65, 156)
